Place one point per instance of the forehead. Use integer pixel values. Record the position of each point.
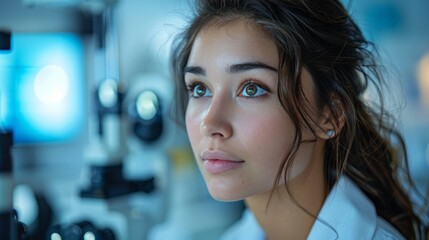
(232, 42)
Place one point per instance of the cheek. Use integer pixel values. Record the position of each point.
(192, 122)
(270, 140)
(270, 134)
(266, 141)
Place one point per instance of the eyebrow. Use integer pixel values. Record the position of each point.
(235, 68)
(194, 70)
(242, 67)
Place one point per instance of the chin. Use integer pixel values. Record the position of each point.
(225, 197)
(224, 193)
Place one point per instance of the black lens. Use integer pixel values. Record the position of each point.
(4, 40)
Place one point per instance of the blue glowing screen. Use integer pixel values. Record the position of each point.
(42, 87)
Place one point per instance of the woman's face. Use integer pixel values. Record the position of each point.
(238, 129)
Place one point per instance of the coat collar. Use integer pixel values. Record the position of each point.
(346, 213)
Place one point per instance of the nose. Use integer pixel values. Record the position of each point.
(217, 120)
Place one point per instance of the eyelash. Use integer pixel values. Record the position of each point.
(192, 84)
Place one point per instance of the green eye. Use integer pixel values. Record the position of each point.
(253, 90)
(200, 90)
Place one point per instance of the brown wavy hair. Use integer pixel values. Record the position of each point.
(320, 36)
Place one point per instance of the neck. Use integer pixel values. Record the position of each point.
(290, 215)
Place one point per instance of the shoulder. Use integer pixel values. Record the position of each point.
(348, 214)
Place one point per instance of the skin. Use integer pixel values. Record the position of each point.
(234, 114)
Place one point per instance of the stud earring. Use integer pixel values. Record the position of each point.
(330, 133)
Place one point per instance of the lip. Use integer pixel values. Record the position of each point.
(219, 162)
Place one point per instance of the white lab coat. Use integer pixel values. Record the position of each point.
(349, 213)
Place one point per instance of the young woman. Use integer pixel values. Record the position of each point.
(273, 92)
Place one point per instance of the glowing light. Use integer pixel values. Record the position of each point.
(56, 236)
(42, 88)
(147, 103)
(6, 92)
(89, 236)
(51, 84)
(25, 203)
(108, 93)
(2, 109)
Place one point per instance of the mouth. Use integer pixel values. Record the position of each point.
(219, 162)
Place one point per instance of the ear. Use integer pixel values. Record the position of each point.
(331, 121)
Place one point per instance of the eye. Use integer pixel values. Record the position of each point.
(197, 90)
(253, 90)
